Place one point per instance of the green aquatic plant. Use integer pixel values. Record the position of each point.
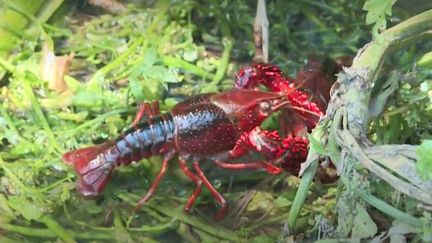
(173, 49)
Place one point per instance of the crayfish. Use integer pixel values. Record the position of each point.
(217, 126)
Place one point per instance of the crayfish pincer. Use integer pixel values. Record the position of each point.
(216, 127)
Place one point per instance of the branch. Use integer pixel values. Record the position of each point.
(348, 108)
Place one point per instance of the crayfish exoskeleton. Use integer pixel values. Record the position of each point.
(217, 126)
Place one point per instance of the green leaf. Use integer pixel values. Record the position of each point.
(282, 202)
(169, 103)
(402, 228)
(121, 234)
(425, 61)
(148, 81)
(152, 90)
(72, 83)
(91, 207)
(345, 217)
(261, 202)
(89, 96)
(424, 163)
(55, 227)
(377, 11)
(190, 53)
(210, 88)
(136, 88)
(316, 145)
(5, 239)
(160, 73)
(364, 226)
(65, 195)
(77, 117)
(150, 57)
(24, 207)
(23, 147)
(5, 210)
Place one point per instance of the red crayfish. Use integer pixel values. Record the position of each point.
(216, 126)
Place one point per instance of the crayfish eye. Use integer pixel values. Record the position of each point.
(265, 106)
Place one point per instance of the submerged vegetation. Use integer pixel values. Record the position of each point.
(72, 74)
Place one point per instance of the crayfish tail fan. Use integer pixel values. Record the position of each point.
(93, 166)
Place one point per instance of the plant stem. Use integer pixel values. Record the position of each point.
(351, 97)
(13, 21)
(16, 180)
(48, 9)
(28, 91)
(57, 229)
(10, 123)
(39, 114)
(307, 177)
(157, 229)
(182, 64)
(95, 121)
(120, 228)
(48, 233)
(117, 62)
(4, 63)
(388, 209)
(302, 192)
(178, 214)
(214, 230)
(100, 74)
(275, 219)
(372, 57)
(224, 61)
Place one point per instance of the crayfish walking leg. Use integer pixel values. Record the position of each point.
(156, 182)
(195, 179)
(219, 198)
(145, 109)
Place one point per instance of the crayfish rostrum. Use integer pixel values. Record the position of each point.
(217, 126)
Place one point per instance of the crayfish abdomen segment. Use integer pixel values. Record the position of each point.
(204, 129)
(146, 139)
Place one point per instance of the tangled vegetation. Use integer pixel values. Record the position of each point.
(72, 75)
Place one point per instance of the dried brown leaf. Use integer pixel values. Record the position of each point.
(53, 68)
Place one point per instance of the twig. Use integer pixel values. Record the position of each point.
(261, 33)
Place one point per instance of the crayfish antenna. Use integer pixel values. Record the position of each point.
(92, 167)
